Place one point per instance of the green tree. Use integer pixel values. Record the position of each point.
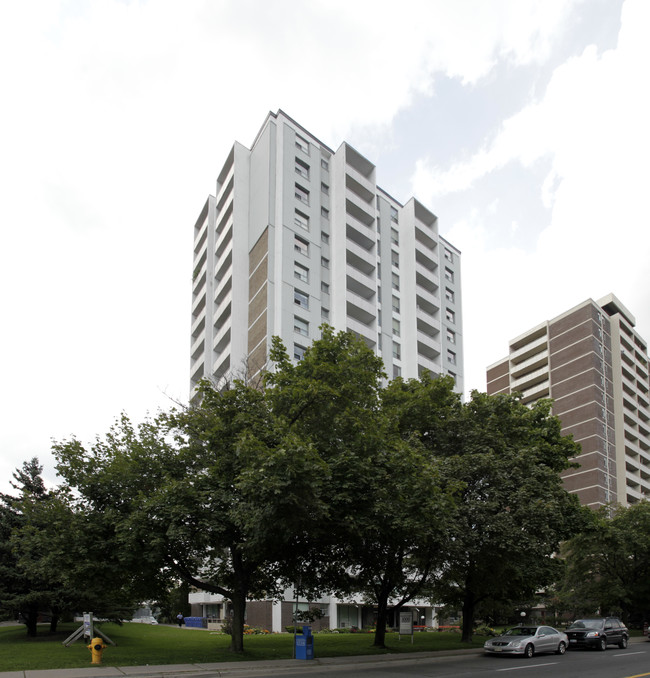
(21, 594)
(213, 494)
(609, 563)
(385, 522)
(513, 512)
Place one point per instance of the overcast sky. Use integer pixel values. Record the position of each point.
(523, 125)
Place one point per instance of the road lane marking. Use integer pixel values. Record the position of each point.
(638, 675)
(534, 666)
(629, 654)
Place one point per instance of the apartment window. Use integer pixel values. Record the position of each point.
(300, 299)
(302, 144)
(324, 164)
(451, 336)
(449, 255)
(300, 245)
(397, 371)
(394, 259)
(325, 237)
(302, 194)
(449, 275)
(394, 216)
(397, 351)
(325, 288)
(302, 168)
(301, 272)
(395, 304)
(451, 357)
(324, 188)
(450, 315)
(325, 213)
(325, 263)
(449, 295)
(300, 326)
(394, 236)
(395, 279)
(325, 313)
(301, 219)
(396, 327)
(298, 352)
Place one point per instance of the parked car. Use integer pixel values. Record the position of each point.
(527, 641)
(598, 633)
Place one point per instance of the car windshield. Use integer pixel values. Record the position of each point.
(521, 631)
(587, 624)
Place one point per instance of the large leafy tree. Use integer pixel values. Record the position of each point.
(385, 524)
(513, 511)
(609, 563)
(212, 494)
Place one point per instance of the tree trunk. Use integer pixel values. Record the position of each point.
(469, 605)
(382, 618)
(237, 626)
(54, 620)
(31, 620)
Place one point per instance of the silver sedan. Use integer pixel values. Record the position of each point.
(528, 640)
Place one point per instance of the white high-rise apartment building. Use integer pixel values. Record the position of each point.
(298, 234)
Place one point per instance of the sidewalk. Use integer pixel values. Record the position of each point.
(230, 669)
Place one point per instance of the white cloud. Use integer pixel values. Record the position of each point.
(592, 123)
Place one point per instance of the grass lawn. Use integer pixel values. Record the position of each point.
(139, 644)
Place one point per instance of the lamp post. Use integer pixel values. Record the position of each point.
(522, 614)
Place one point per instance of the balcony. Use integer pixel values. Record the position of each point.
(201, 238)
(536, 392)
(360, 284)
(199, 301)
(354, 256)
(536, 361)
(427, 278)
(530, 379)
(359, 187)
(358, 208)
(425, 239)
(427, 346)
(361, 309)
(223, 216)
(368, 334)
(427, 306)
(224, 239)
(529, 349)
(198, 324)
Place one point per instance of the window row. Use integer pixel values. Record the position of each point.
(302, 298)
(303, 145)
(301, 219)
(302, 272)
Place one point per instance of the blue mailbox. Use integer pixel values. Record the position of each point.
(305, 644)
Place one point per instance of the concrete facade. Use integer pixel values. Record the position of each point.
(298, 234)
(594, 365)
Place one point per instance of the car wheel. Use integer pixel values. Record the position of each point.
(623, 643)
(529, 651)
(602, 643)
(561, 648)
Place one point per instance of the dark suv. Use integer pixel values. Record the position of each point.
(598, 633)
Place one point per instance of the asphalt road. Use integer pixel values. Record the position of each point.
(632, 662)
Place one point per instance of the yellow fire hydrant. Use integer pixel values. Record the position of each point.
(96, 648)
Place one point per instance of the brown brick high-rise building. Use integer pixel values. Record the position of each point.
(594, 365)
